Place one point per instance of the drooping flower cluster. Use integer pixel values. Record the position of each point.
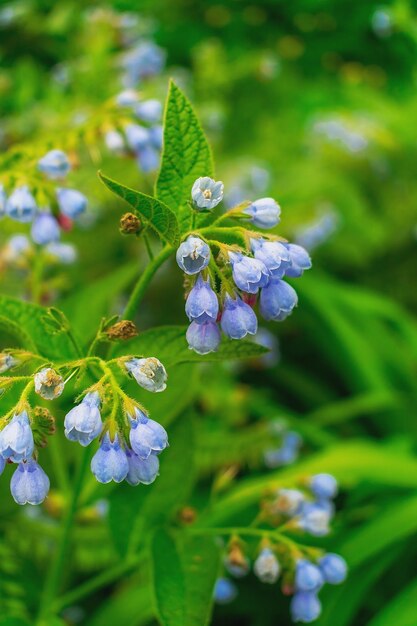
(142, 138)
(50, 207)
(303, 570)
(239, 273)
(130, 441)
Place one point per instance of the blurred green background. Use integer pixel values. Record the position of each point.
(312, 102)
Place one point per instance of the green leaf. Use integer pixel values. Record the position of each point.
(168, 344)
(130, 606)
(184, 573)
(27, 322)
(185, 158)
(134, 510)
(401, 611)
(153, 212)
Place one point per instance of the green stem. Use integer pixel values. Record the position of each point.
(148, 247)
(58, 563)
(99, 581)
(55, 451)
(143, 282)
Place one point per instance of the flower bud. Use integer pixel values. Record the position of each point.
(333, 568)
(305, 607)
(48, 384)
(300, 260)
(45, 229)
(308, 576)
(323, 485)
(83, 423)
(235, 561)
(130, 224)
(122, 331)
(21, 205)
(149, 111)
(249, 274)
(203, 338)
(273, 254)
(277, 300)
(266, 566)
(202, 304)
(225, 591)
(6, 362)
(264, 213)
(238, 318)
(54, 164)
(71, 202)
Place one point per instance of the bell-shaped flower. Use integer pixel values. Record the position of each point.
(273, 254)
(277, 300)
(249, 274)
(83, 423)
(193, 255)
(29, 483)
(142, 471)
(202, 304)
(300, 260)
(71, 202)
(308, 576)
(45, 229)
(146, 436)
(21, 205)
(110, 461)
(264, 213)
(267, 567)
(207, 193)
(305, 607)
(16, 439)
(203, 338)
(54, 164)
(238, 318)
(149, 373)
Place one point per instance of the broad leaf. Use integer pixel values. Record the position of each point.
(401, 611)
(134, 510)
(26, 322)
(185, 158)
(168, 344)
(184, 572)
(154, 213)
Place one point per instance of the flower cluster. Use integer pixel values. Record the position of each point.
(143, 139)
(303, 570)
(130, 441)
(286, 453)
(50, 207)
(239, 273)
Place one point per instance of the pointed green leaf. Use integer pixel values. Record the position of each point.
(184, 574)
(154, 213)
(185, 158)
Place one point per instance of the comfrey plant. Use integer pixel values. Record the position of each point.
(67, 385)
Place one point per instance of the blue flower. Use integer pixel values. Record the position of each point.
(289, 502)
(277, 300)
(110, 461)
(137, 137)
(63, 252)
(266, 566)
(249, 274)
(21, 205)
(334, 568)
(315, 518)
(16, 439)
(308, 576)
(142, 471)
(225, 591)
(115, 141)
(264, 213)
(287, 453)
(300, 260)
(149, 373)
(238, 318)
(127, 98)
(71, 202)
(2, 465)
(148, 158)
(193, 255)
(29, 483)
(323, 485)
(207, 193)
(83, 423)
(305, 607)
(3, 200)
(48, 384)
(143, 61)
(149, 111)
(202, 304)
(45, 229)
(54, 164)
(156, 136)
(203, 337)
(273, 254)
(147, 436)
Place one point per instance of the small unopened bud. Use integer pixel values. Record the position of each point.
(6, 362)
(43, 424)
(187, 515)
(236, 562)
(130, 224)
(122, 331)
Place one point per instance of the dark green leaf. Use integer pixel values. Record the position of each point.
(152, 211)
